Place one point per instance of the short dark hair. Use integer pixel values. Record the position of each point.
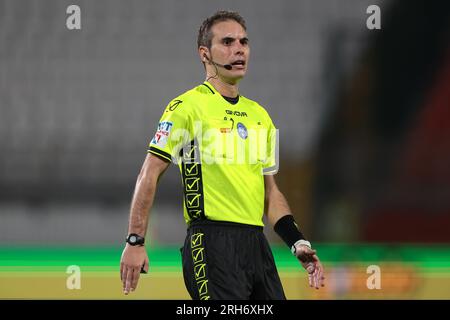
(204, 33)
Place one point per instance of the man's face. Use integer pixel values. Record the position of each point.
(229, 45)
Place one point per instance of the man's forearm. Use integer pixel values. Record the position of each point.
(143, 197)
(277, 205)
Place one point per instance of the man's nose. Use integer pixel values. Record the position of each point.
(240, 49)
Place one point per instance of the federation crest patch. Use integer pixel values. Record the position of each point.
(162, 134)
(242, 130)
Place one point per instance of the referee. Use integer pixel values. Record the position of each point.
(212, 132)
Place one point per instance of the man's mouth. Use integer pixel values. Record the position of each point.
(238, 63)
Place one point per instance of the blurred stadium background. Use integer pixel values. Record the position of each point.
(364, 119)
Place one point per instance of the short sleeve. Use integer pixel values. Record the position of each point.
(270, 165)
(173, 131)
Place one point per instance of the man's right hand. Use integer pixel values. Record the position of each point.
(134, 258)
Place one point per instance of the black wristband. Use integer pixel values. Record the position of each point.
(287, 229)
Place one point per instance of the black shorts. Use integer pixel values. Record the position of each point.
(229, 261)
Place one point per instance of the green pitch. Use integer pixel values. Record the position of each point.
(407, 271)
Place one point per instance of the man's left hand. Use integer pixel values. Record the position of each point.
(310, 261)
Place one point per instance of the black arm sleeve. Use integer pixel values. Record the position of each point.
(287, 229)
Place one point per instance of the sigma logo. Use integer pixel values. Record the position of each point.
(236, 113)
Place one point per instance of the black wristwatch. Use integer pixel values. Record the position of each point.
(135, 240)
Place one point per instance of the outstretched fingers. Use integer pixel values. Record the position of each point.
(128, 280)
(318, 276)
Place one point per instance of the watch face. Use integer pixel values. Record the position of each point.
(133, 239)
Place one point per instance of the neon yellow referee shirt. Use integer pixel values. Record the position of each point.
(223, 151)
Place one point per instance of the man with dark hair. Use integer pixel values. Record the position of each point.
(204, 33)
(224, 144)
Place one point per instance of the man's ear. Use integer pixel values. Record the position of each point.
(204, 53)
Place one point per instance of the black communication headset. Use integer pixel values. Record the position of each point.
(225, 66)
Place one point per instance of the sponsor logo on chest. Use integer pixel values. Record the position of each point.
(236, 113)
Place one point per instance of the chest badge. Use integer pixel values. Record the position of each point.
(242, 130)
